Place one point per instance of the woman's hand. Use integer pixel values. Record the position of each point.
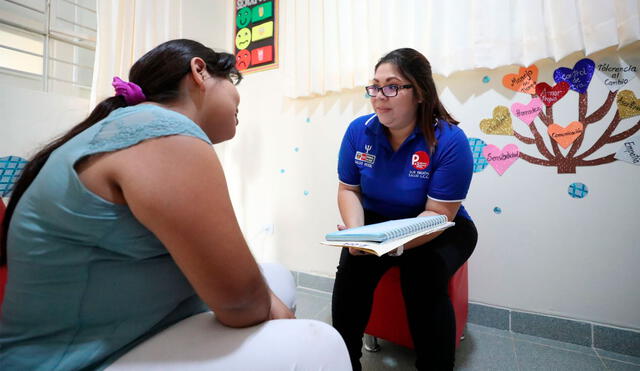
(279, 310)
(352, 251)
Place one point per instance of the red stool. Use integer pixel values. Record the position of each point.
(389, 318)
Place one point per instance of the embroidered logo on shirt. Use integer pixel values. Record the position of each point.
(420, 160)
(366, 158)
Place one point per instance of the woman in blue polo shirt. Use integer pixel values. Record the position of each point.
(407, 159)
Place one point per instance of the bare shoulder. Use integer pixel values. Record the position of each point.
(105, 173)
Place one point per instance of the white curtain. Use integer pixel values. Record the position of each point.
(126, 30)
(329, 45)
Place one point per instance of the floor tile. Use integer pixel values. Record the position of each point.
(309, 305)
(534, 356)
(606, 355)
(315, 282)
(551, 328)
(389, 357)
(620, 366)
(325, 314)
(482, 350)
(621, 341)
(488, 316)
(472, 327)
(555, 344)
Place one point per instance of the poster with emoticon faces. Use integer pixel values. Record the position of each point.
(255, 35)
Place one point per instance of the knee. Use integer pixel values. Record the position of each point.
(432, 276)
(313, 345)
(281, 282)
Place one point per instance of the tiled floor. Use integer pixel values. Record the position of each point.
(484, 348)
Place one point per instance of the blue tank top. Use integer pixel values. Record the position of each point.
(87, 281)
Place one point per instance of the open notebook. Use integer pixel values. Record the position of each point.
(383, 237)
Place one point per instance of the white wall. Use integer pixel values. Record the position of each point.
(546, 252)
(31, 118)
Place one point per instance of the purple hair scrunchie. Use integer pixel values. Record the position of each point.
(131, 92)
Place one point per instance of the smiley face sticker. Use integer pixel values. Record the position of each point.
(243, 60)
(243, 38)
(244, 17)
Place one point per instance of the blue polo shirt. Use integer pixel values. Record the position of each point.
(397, 184)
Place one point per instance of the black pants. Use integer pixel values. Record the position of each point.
(424, 272)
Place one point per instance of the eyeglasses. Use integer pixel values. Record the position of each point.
(387, 91)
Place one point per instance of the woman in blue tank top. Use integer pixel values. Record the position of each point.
(124, 226)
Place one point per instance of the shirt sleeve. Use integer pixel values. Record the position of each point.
(348, 172)
(451, 179)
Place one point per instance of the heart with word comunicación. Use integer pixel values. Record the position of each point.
(565, 135)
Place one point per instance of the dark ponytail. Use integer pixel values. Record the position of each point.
(417, 69)
(159, 73)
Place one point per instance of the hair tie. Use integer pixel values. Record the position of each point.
(131, 92)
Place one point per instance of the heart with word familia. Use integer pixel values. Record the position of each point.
(500, 124)
(628, 105)
(565, 136)
(524, 81)
(616, 73)
(579, 77)
(527, 112)
(501, 159)
(629, 151)
(551, 94)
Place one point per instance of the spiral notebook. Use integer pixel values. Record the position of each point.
(383, 237)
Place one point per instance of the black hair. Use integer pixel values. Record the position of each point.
(417, 69)
(159, 73)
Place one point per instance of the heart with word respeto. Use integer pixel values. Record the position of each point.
(500, 124)
(501, 159)
(524, 81)
(579, 77)
(565, 135)
(551, 94)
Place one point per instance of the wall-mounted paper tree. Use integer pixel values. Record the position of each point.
(572, 135)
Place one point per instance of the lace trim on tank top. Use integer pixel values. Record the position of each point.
(133, 128)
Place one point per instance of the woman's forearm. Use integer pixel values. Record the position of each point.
(434, 208)
(350, 207)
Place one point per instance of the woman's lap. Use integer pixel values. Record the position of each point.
(202, 343)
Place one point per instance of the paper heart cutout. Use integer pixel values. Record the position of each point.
(628, 105)
(500, 124)
(500, 160)
(10, 170)
(630, 151)
(527, 112)
(616, 73)
(524, 81)
(579, 77)
(479, 161)
(549, 95)
(565, 136)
